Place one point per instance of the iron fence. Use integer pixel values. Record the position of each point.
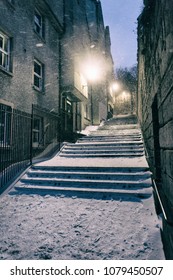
(15, 131)
(25, 138)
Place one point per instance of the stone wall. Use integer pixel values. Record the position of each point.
(155, 97)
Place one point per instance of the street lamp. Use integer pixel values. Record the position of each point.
(115, 86)
(92, 72)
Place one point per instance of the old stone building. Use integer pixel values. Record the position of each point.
(29, 58)
(47, 49)
(50, 52)
(155, 102)
(84, 51)
(30, 32)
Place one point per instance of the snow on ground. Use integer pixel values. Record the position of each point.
(88, 129)
(52, 227)
(34, 226)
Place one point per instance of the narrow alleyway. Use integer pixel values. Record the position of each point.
(93, 200)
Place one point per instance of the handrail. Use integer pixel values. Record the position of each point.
(161, 204)
(159, 199)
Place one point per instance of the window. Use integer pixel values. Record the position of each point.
(4, 52)
(5, 124)
(39, 24)
(38, 75)
(37, 131)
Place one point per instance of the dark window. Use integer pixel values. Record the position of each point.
(38, 75)
(39, 24)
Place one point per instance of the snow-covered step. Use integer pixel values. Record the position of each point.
(104, 145)
(113, 127)
(87, 183)
(109, 139)
(120, 176)
(118, 131)
(69, 150)
(102, 169)
(96, 193)
(119, 141)
(103, 155)
(113, 134)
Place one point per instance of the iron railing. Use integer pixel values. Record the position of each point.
(25, 138)
(15, 127)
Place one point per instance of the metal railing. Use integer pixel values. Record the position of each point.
(15, 127)
(26, 138)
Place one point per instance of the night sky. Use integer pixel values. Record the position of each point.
(121, 16)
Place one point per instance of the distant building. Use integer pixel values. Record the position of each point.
(155, 101)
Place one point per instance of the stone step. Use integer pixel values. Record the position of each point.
(91, 149)
(115, 135)
(109, 139)
(85, 192)
(118, 142)
(111, 131)
(87, 183)
(120, 176)
(102, 169)
(117, 128)
(103, 155)
(104, 145)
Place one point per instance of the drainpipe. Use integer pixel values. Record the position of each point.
(31, 148)
(59, 128)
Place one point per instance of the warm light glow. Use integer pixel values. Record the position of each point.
(92, 71)
(115, 86)
(125, 94)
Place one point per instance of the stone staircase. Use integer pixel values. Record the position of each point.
(110, 142)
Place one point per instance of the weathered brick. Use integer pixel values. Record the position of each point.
(166, 136)
(168, 163)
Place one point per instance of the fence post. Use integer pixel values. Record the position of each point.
(59, 130)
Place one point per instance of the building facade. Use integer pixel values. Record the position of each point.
(155, 102)
(49, 53)
(48, 50)
(29, 58)
(30, 34)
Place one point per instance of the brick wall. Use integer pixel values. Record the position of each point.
(17, 21)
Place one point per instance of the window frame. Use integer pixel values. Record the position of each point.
(39, 76)
(5, 63)
(41, 25)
